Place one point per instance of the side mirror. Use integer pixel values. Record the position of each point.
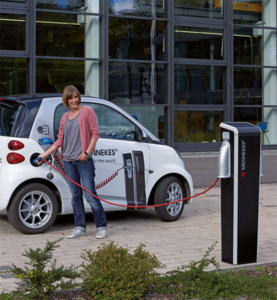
(140, 135)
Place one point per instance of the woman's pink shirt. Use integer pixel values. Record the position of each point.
(88, 128)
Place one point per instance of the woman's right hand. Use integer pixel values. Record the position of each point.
(41, 161)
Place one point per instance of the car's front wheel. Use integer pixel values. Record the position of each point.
(169, 189)
(33, 209)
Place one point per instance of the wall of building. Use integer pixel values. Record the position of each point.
(179, 66)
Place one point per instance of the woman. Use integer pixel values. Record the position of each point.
(77, 138)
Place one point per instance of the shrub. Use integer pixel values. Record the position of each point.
(113, 273)
(39, 282)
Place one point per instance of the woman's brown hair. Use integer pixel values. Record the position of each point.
(67, 94)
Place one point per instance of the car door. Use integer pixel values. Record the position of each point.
(121, 162)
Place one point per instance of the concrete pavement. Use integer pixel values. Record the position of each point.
(175, 244)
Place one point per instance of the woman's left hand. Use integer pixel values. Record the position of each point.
(83, 157)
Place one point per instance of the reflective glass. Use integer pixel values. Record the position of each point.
(12, 32)
(150, 8)
(248, 12)
(199, 84)
(247, 46)
(197, 126)
(265, 118)
(53, 75)
(132, 83)
(91, 6)
(13, 76)
(67, 35)
(199, 43)
(255, 86)
(255, 46)
(200, 8)
(136, 39)
(152, 117)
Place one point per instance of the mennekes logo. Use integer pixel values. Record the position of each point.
(104, 152)
(243, 153)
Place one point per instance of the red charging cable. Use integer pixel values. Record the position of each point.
(131, 206)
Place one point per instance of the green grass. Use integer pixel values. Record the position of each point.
(192, 281)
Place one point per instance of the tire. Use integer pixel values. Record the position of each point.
(169, 189)
(33, 209)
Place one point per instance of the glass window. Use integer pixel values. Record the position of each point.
(133, 83)
(255, 12)
(91, 6)
(53, 75)
(67, 35)
(255, 86)
(198, 43)
(247, 46)
(13, 76)
(17, 120)
(265, 118)
(199, 84)
(152, 117)
(248, 86)
(111, 124)
(153, 8)
(200, 8)
(247, 12)
(12, 32)
(136, 39)
(197, 126)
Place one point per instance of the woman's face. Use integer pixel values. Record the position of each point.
(73, 101)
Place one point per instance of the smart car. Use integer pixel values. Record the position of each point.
(133, 167)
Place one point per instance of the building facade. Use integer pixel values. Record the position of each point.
(180, 67)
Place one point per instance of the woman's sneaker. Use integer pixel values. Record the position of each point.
(101, 234)
(77, 232)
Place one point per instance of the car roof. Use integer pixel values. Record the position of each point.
(26, 97)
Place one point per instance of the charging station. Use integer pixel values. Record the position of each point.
(239, 170)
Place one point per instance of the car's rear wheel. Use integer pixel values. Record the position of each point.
(33, 209)
(169, 189)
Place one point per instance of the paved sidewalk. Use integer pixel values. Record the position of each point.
(175, 244)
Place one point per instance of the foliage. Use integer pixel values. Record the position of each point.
(39, 282)
(5, 296)
(192, 281)
(113, 273)
(259, 268)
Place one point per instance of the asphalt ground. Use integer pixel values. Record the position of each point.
(175, 244)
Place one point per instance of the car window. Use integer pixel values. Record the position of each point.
(111, 123)
(17, 120)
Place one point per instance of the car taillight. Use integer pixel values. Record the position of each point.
(1, 99)
(15, 145)
(15, 158)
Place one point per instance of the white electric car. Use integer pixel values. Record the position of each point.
(34, 195)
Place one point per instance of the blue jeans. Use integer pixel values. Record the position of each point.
(85, 171)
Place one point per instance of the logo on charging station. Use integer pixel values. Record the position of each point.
(243, 153)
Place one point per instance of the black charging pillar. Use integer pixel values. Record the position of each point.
(239, 170)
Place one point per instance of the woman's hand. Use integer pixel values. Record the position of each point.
(42, 157)
(83, 157)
